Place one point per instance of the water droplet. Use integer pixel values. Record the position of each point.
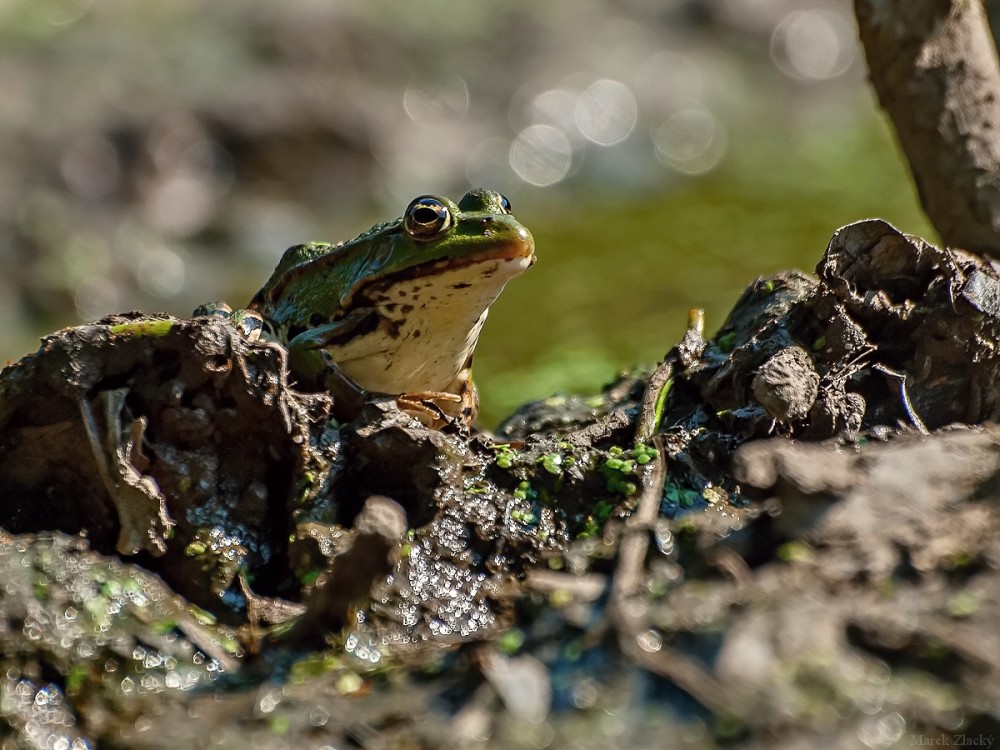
(650, 641)
(319, 716)
(584, 693)
(664, 539)
(269, 701)
(882, 731)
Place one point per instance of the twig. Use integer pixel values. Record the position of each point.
(628, 618)
(904, 397)
(660, 382)
(651, 410)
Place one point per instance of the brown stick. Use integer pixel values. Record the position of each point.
(628, 612)
(934, 67)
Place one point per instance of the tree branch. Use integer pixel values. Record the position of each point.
(933, 64)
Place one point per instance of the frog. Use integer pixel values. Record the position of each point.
(398, 310)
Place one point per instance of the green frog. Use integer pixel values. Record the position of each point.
(398, 310)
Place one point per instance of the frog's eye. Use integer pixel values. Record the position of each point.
(426, 218)
(505, 205)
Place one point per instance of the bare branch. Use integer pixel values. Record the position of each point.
(933, 64)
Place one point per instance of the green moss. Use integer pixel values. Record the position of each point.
(505, 455)
(726, 341)
(795, 552)
(963, 604)
(552, 463)
(313, 665)
(144, 328)
(683, 497)
(40, 589)
(590, 528)
(511, 641)
(621, 467)
(524, 515)
(524, 491)
(196, 548)
(309, 577)
(280, 724)
(76, 678)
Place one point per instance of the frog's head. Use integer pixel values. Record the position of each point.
(476, 242)
(437, 236)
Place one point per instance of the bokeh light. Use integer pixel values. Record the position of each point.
(430, 103)
(489, 165)
(94, 297)
(606, 112)
(556, 107)
(541, 155)
(814, 44)
(161, 272)
(692, 141)
(90, 167)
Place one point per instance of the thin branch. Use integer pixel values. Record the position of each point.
(628, 611)
(933, 64)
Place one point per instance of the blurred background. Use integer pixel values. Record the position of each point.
(664, 153)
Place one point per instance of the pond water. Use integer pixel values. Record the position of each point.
(616, 275)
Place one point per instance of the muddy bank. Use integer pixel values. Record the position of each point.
(783, 533)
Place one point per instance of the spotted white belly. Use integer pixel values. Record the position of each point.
(428, 327)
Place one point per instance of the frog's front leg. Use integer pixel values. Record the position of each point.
(310, 364)
(307, 358)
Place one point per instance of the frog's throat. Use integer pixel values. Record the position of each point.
(421, 331)
(508, 251)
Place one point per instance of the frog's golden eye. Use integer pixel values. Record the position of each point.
(426, 218)
(505, 205)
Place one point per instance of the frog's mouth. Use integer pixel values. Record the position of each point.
(500, 263)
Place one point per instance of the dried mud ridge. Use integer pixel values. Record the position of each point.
(783, 536)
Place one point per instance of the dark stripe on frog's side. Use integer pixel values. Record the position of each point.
(365, 325)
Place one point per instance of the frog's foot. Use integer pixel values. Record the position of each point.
(141, 507)
(458, 405)
(436, 409)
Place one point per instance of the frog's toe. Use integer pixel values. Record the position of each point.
(437, 409)
(212, 310)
